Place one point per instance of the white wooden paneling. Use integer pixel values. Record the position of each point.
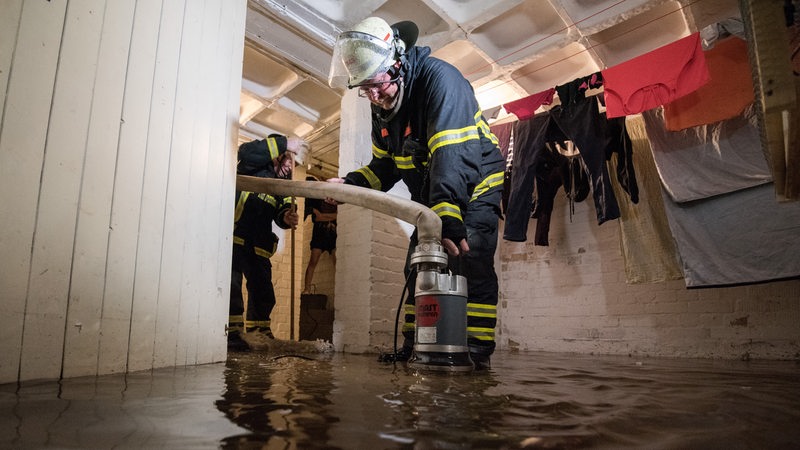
(116, 156)
(194, 66)
(54, 237)
(89, 287)
(22, 143)
(229, 110)
(10, 12)
(147, 307)
(209, 312)
(176, 221)
(128, 187)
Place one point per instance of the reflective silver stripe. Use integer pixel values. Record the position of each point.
(379, 152)
(269, 199)
(447, 209)
(449, 137)
(492, 181)
(272, 144)
(403, 162)
(485, 127)
(374, 181)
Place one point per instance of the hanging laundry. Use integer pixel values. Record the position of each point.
(530, 137)
(549, 167)
(655, 78)
(726, 95)
(575, 90)
(583, 123)
(707, 160)
(526, 107)
(503, 134)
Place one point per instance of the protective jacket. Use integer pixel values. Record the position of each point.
(253, 217)
(437, 142)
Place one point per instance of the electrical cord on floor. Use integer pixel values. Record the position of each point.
(406, 288)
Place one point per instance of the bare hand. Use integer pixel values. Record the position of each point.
(335, 181)
(452, 250)
(291, 218)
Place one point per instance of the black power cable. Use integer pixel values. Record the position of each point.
(406, 288)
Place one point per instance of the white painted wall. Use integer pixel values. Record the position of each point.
(572, 297)
(119, 123)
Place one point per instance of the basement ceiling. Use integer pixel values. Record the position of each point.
(508, 49)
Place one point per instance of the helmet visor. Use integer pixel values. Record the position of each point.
(357, 57)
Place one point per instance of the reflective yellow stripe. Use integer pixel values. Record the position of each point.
(481, 310)
(403, 162)
(410, 309)
(449, 137)
(237, 240)
(483, 334)
(493, 180)
(257, 323)
(269, 199)
(272, 144)
(240, 205)
(447, 209)
(485, 127)
(237, 320)
(379, 152)
(407, 327)
(265, 253)
(374, 181)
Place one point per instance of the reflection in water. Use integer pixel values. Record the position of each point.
(527, 400)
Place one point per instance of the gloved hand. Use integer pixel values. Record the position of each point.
(454, 236)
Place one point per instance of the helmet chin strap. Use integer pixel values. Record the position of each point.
(386, 115)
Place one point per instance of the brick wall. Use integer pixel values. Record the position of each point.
(571, 296)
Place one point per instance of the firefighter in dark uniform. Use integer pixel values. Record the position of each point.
(428, 130)
(253, 239)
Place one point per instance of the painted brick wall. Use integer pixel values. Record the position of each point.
(571, 296)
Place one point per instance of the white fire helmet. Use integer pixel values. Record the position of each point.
(368, 49)
(299, 148)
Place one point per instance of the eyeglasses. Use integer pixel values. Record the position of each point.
(375, 87)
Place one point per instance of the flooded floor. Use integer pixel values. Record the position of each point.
(339, 401)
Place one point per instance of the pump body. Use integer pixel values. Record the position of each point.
(440, 327)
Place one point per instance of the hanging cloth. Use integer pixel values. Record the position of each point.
(655, 78)
(526, 107)
(728, 93)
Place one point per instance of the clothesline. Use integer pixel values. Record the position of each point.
(655, 78)
(574, 24)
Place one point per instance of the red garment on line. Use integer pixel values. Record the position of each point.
(655, 78)
(725, 96)
(526, 107)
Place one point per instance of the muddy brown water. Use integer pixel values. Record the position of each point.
(344, 401)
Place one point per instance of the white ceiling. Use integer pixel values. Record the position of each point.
(508, 49)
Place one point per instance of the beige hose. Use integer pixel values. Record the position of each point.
(429, 226)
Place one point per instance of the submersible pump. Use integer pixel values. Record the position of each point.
(440, 329)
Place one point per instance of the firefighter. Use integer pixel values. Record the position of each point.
(429, 131)
(253, 239)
